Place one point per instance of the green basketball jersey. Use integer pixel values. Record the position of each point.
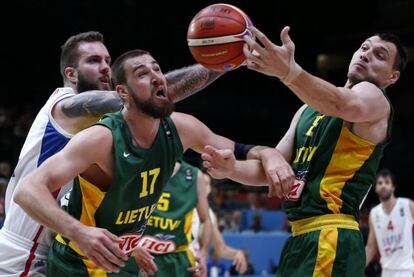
(334, 168)
(139, 179)
(169, 227)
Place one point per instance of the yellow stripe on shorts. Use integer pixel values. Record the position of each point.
(328, 239)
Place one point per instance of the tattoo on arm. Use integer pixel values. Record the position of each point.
(186, 81)
(91, 103)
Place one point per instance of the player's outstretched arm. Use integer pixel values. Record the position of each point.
(82, 110)
(363, 103)
(186, 81)
(34, 196)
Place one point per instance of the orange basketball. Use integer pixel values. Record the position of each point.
(215, 36)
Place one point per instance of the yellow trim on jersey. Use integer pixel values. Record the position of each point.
(188, 224)
(349, 155)
(93, 270)
(71, 244)
(321, 222)
(190, 256)
(90, 266)
(328, 239)
(92, 198)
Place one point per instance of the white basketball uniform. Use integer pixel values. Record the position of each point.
(196, 230)
(24, 243)
(394, 236)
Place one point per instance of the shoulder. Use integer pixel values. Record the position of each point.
(183, 119)
(369, 90)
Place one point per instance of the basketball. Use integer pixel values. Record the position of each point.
(215, 36)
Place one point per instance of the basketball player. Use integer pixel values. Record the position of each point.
(121, 166)
(220, 247)
(391, 229)
(168, 233)
(85, 65)
(334, 145)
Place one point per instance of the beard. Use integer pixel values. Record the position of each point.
(384, 196)
(152, 108)
(85, 84)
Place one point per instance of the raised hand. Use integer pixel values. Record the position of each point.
(102, 247)
(271, 59)
(219, 162)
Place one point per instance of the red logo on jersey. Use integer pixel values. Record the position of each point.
(129, 242)
(157, 246)
(296, 189)
(390, 226)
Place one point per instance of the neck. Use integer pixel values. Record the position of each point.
(389, 203)
(143, 127)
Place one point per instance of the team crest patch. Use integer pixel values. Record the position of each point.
(189, 174)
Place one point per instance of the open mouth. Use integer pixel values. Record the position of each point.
(161, 93)
(104, 80)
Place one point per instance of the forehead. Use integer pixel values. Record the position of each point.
(96, 48)
(383, 179)
(143, 60)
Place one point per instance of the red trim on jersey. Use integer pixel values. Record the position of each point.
(32, 254)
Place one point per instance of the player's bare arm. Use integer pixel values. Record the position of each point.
(363, 103)
(84, 109)
(92, 103)
(227, 252)
(196, 135)
(90, 147)
(186, 81)
(371, 248)
(205, 236)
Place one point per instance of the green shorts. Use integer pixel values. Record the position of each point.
(64, 261)
(174, 264)
(331, 251)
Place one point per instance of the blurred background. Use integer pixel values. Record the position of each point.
(243, 105)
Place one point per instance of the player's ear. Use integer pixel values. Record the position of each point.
(122, 92)
(71, 74)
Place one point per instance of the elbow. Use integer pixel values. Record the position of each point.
(18, 196)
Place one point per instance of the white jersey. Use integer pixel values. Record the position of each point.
(44, 139)
(394, 235)
(196, 229)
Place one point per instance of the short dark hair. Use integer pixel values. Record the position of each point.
(386, 173)
(118, 71)
(69, 56)
(401, 57)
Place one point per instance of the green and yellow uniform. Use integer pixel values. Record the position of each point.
(139, 179)
(334, 171)
(168, 232)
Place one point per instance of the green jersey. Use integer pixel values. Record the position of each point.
(334, 168)
(169, 227)
(139, 179)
